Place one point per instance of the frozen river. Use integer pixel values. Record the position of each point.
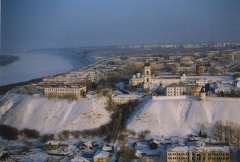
(35, 65)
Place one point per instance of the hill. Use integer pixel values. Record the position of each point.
(178, 117)
(52, 116)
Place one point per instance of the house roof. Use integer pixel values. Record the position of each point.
(201, 148)
(106, 148)
(102, 154)
(79, 159)
(52, 143)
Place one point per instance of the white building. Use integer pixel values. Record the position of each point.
(179, 90)
(198, 154)
(237, 84)
(136, 80)
(148, 80)
(201, 82)
(175, 90)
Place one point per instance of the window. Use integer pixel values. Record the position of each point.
(147, 79)
(147, 72)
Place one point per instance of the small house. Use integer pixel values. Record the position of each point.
(79, 159)
(51, 145)
(107, 149)
(154, 144)
(101, 157)
(86, 146)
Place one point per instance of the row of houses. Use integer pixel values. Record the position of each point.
(82, 152)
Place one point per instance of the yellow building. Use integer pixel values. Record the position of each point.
(198, 154)
(101, 157)
(67, 90)
(122, 99)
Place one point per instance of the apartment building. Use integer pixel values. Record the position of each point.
(198, 154)
(66, 90)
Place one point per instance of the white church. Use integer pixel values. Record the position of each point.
(148, 80)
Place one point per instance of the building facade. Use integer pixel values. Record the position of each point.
(101, 157)
(179, 90)
(62, 91)
(198, 154)
(122, 99)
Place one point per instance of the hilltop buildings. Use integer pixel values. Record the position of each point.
(148, 79)
(65, 90)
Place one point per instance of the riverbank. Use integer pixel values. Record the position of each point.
(7, 59)
(33, 65)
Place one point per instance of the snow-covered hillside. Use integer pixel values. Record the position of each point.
(177, 117)
(52, 116)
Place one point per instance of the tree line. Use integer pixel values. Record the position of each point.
(227, 131)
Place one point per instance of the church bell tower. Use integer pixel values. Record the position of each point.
(147, 75)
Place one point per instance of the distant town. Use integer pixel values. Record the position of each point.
(128, 77)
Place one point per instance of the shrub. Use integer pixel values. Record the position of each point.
(31, 133)
(8, 132)
(47, 137)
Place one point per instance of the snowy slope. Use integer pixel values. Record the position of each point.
(52, 116)
(179, 117)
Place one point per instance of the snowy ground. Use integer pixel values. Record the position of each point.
(179, 117)
(52, 116)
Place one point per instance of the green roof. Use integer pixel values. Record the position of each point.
(146, 64)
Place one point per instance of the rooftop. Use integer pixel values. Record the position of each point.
(200, 149)
(102, 154)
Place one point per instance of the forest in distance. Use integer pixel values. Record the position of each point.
(7, 59)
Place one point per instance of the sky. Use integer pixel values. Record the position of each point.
(36, 24)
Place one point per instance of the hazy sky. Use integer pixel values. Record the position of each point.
(30, 24)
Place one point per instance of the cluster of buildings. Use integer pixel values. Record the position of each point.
(178, 85)
(198, 154)
(172, 150)
(81, 151)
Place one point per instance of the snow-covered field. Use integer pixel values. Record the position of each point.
(52, 116)
(179, 117)
(39, 64)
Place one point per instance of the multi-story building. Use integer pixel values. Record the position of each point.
(198, 154)
(66, 90)
(175, 90)
(122, 99)
(179, 90)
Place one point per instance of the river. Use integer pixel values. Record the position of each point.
(36, 65)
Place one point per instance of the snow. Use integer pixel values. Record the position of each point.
(52, 116)
(180, 117)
